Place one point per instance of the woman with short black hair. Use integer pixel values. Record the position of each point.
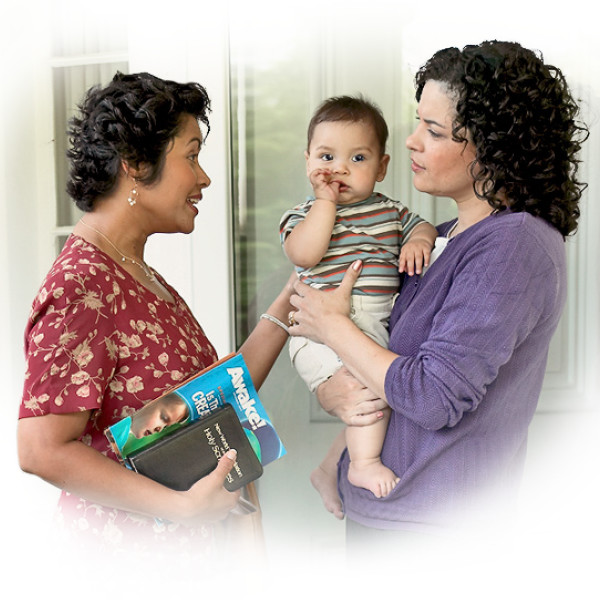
(107, 333)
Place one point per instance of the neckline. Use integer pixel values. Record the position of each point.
(451, 229)
(130, 276)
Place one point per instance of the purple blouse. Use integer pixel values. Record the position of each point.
(472, 337)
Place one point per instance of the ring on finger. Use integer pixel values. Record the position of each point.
(291, 320)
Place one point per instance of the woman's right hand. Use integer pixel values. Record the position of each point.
(208, 500)
(343, 396)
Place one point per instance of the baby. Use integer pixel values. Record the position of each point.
(343, 222)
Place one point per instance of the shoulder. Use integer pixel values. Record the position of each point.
(523, 230)
(79, 257)
(291, 216)
(302, 206)
(383, 200)
(80, 280)
(516, 247)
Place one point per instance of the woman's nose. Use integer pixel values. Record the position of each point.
(411, 141)
(203, 178)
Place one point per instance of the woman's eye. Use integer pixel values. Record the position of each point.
(434, 134)
(358, 158)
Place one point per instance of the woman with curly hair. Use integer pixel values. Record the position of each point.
(107, 333)
(497, 133)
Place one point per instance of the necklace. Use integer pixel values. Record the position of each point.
(142, 265)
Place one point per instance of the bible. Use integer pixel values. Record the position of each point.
(183, 457)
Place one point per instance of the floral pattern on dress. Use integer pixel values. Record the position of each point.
(98, 340)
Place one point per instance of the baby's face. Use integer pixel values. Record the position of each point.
(157, 415)
(350, 151)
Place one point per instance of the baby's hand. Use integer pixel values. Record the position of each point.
(323, 185)
(414, 255)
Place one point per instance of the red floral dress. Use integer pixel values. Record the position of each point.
(98, 340)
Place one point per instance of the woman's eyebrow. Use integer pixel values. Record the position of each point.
(434, 122)
(431, 121)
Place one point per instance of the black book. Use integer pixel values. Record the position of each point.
(183, 457)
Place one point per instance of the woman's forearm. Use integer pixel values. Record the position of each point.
(83, 471)
(364, 358)
(345, 397)
(267, 339)
(48, 449)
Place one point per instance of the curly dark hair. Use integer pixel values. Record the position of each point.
(132, 119)
(522, 119)
(351, 109)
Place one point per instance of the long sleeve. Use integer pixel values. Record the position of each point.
(496, 297)
(472, 338)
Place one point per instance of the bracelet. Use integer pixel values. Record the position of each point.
(275, 320)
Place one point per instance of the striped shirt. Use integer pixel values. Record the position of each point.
(372, 230)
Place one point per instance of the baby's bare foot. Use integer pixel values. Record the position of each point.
(372, 475)
(326, 484)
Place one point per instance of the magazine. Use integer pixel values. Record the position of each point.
(227, 382)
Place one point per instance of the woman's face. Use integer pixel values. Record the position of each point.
(440, 164)
(170, 202)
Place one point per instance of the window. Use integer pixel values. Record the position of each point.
(84, 53)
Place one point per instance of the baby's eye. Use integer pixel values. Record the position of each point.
(358, 158)
(327, 157)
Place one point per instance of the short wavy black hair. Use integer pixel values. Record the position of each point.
(522, 119)
(351, 109)
(132, 119)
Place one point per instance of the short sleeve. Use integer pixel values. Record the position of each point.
(69, 343)
(292, 217)
(408, 221)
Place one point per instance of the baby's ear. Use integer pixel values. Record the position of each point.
(384, 161)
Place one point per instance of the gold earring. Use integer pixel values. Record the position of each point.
(133, 195)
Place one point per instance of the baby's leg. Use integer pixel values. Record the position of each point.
(324, 477)
(366, 469)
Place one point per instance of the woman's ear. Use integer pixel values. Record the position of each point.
(132, 171)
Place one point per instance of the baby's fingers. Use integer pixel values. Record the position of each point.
(407, 263)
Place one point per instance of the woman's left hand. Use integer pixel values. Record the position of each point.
(316, 311)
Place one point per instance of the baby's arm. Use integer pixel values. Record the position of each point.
(307, 243)
(416, 251)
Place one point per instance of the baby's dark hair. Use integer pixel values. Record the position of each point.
(133, 119)
(523, 122)
(352, 109)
